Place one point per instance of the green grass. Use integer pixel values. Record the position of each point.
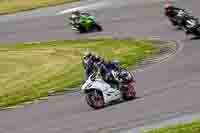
(12, 6)
(193, 127)
(29, 71)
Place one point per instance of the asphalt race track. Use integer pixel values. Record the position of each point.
(167, 89)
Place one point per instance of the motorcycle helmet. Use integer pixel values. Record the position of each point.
(126, 76)
(115, 62)
(168, 6)
(97, 58)
(87, 54)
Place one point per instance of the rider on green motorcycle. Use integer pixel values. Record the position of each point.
(81, 18)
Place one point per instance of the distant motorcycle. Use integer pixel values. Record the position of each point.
(186, 22)
(98, 93)
(85, 24)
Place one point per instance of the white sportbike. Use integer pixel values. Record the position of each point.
(98, 93)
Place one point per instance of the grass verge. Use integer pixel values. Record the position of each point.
(12, 6)
(193, 127)
(32, 70)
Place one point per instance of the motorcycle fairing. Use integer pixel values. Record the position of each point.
(109, 93)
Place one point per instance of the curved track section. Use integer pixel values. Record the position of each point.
(165, 90)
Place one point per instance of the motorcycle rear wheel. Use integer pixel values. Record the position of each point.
(128, 94)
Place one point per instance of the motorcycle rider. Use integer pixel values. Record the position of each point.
(97, 62)
(100, 66)
(112, 71)
(75, 19)
(88, 64)
(172, 12)
(77, 16)
(109, 71)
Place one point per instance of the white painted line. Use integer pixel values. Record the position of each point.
(187, 118)
(91, 6)
(181, 46)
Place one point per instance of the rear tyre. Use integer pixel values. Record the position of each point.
(128, 94)
(95, 99)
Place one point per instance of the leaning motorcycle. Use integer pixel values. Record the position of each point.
(186, 22)
(98, 93)
(86, 24)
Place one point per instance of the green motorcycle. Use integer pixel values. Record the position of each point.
(85, 23)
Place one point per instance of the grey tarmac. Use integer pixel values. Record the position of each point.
(169, 88)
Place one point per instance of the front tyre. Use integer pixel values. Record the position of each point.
(95, 99)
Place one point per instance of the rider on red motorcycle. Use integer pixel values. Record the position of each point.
(176, 19)
(172, 13)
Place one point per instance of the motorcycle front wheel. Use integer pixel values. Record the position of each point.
(95, 99)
